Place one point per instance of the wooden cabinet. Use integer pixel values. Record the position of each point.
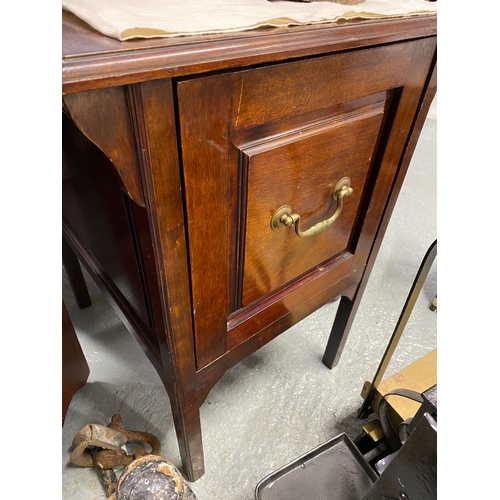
(195, 169)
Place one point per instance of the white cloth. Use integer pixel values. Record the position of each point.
(126, 19)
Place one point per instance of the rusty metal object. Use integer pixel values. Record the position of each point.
(107, 477)
(88, 442)
(95, 435)
(109, 458)
(152, 478)
(146, 476)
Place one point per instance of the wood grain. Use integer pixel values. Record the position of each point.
(176, 152)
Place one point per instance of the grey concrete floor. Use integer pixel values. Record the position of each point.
(281, 401)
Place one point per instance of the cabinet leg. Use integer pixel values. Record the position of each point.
(188, 428)
(340, 330)
(75, 276)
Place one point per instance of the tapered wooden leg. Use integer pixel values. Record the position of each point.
(188, 429)
(75, 276)
(75, 369)
(340, 330)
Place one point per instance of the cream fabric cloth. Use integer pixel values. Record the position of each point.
(126, 19)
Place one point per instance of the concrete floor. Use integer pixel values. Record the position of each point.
(281, 401)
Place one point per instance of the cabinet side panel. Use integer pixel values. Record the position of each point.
(94, 207)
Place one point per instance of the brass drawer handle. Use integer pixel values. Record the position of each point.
(284, 216)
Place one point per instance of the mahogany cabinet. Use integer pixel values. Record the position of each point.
(221, 188)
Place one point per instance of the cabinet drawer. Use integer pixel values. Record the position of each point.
(255, 140)
(300, 171)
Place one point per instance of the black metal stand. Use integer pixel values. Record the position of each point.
(418, 283)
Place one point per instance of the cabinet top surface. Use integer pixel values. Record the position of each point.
(91, 60)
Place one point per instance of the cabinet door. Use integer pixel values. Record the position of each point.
(257, 140)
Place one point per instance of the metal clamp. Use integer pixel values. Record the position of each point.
(283, 217)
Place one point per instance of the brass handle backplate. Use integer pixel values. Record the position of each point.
(283, 217)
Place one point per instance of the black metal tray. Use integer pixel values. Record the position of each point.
(334, 470)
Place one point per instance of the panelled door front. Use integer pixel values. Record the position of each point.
(286, 169)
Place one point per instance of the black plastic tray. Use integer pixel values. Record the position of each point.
(334, 470)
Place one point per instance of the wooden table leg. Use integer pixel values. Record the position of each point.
(75, 369)
(187, 422)
(340, 330)
(75, 276)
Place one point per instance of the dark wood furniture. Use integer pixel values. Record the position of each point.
(75, 369)
(177, 153)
